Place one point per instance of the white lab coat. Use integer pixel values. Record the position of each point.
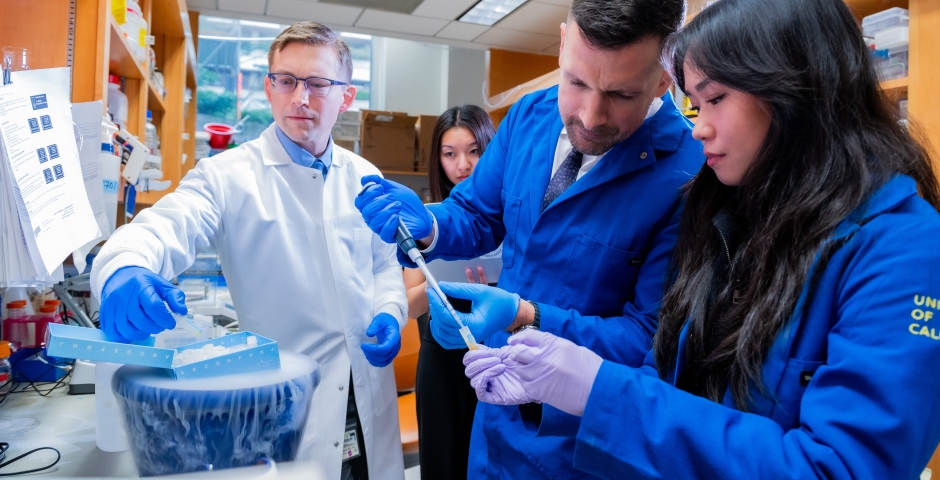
(303, 269)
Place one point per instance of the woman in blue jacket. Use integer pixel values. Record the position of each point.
(797, 338)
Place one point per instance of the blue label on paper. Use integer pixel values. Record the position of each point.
(46, 122)
(39, 101)
(33, 125)
(59, 174)
(42, 155)
(48, 174)
(110, 186)
(53, 151)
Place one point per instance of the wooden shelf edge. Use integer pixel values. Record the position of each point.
(896, 89)
(121, 60)
(154, 101)
(509, 97)
(171, 18)
(191, 58)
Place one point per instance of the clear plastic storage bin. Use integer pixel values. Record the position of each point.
(891, 64)
(892, 17)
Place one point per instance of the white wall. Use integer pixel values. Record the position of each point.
(409, 76)
(467, 71)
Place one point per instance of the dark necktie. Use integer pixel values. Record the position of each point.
(566, 175)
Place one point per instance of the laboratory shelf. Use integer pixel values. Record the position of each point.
(155, 101)
(121, 61)
(171, 19)
(895, 89)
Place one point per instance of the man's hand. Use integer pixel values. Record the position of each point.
(493, 310)
(132, 305)
(384, 202)
(388, 335)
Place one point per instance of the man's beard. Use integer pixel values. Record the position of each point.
(608, 137)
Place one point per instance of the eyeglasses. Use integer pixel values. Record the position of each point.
(316, 86)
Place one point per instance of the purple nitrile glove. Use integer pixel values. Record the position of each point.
(554, 370)
(492, 375)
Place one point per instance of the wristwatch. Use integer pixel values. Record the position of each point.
(536, 321)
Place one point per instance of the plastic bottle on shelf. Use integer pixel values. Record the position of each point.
(117, 101)
(109, 167)
(119, 10)
(135, 30)
(151, 140)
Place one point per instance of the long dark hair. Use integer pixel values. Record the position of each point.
(834, 139)
(471, 117)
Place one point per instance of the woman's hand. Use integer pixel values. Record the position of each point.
(480, 273)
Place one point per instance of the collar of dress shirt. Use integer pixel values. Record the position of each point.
(588, 161)
(300, 156)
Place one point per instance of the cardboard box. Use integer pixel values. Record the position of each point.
(388, 140)
(350, 116)
(346, 131)
(347, 144)
(425, 136)
(67, 341)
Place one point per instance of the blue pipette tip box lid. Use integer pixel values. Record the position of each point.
(68, 341)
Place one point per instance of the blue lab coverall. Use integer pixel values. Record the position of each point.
(852, 384)
(594, 260)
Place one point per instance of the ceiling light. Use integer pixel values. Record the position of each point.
(356, 35)
(488, 12)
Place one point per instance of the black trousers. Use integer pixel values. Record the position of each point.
(356, 468)
(445, 404)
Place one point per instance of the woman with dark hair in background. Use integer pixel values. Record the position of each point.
(795, 338)
(445, 400)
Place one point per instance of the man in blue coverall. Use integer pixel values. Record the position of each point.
(581, 186)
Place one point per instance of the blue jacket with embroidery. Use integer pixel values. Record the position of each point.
(594, 260)
(852, 390)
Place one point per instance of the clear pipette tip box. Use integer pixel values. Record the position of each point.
(68, 341)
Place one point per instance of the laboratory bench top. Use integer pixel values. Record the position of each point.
(67, 423)
(64, 422)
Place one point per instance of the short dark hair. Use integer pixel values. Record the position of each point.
(313, 33)
(471, 117)
(614, 24)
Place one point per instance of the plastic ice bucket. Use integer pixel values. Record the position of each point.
(181, 426)
(220, 134)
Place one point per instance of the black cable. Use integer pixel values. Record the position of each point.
(20, 384)
(5, 446)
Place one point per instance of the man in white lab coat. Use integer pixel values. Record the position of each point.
(302, 266)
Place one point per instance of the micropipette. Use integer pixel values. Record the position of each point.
(407, 244)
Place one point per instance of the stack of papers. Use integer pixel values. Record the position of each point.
(45, 213)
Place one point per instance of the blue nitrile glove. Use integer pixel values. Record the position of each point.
(132, 305)
(389, 340)
(493, 310)
(385, 202)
